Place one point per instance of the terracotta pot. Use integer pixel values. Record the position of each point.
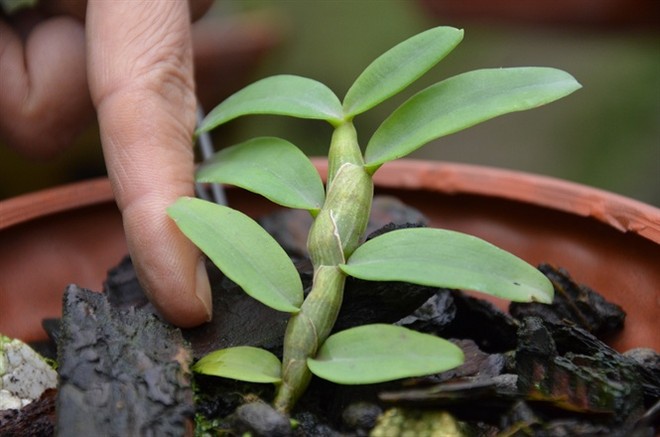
(602, 14)
(74, 234)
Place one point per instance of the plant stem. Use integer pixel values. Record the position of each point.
(335, 234)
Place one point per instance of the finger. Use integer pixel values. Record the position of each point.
(141, 80)
(44, 87)
(78, 8)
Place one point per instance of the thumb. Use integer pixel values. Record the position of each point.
(141, 81)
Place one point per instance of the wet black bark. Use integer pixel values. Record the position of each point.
(35, 419)
(121, 372)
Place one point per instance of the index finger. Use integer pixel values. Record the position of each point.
(141, 80)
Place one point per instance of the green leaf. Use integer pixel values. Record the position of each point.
(243, 250)
(443, 258)
(244, 363)
(399, 67)
(290, 95)
(463, 101)
(377, 353)
(269, 166)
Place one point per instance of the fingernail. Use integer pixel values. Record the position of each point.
(203, 288)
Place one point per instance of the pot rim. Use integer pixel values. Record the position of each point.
(617, 211)
(62, 198)
(622, 213)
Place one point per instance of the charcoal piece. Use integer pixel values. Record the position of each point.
(478, 364)
(647, 363)
(522, 419)
(123, 290)
(479, 320)
(576, 303)
(645, 357)
(361, 416)
(309, 424)
(471, 392)
(435, 315)
(520, 416)
(475, 390)
(389, 209)
(534, 338)
(649, 423)
(569, 338)
(47, 348)
(566, 427)
(121, 372)
(454, 314)
(35, 419)
(368, 302)
(598, 384)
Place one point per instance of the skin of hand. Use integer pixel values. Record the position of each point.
(137, 59)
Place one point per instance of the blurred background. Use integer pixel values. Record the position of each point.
(606, 135)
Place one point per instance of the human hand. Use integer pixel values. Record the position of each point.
(139, 60)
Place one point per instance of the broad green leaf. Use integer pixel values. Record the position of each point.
(269, 166)
(443, 258)
(399, 67)
(244, 363)
(463, 101)
(376, 353)
(290, 95)
(243, 250)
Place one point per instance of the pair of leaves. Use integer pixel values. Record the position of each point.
(444, 108)
(239, 246)
(362, 355)
(301, 97)
(249, 256)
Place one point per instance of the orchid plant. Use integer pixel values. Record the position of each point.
(278, 170)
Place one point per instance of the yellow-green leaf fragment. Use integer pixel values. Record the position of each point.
(244, 363)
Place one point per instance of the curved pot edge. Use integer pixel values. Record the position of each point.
(54, 200)
(439, 177)
(620, 212)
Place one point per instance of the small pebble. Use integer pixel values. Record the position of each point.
(24, 374)
(260, 419)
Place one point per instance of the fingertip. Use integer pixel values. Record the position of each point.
(169, 267)
(187, 304)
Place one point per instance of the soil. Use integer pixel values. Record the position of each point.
(538, 370)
